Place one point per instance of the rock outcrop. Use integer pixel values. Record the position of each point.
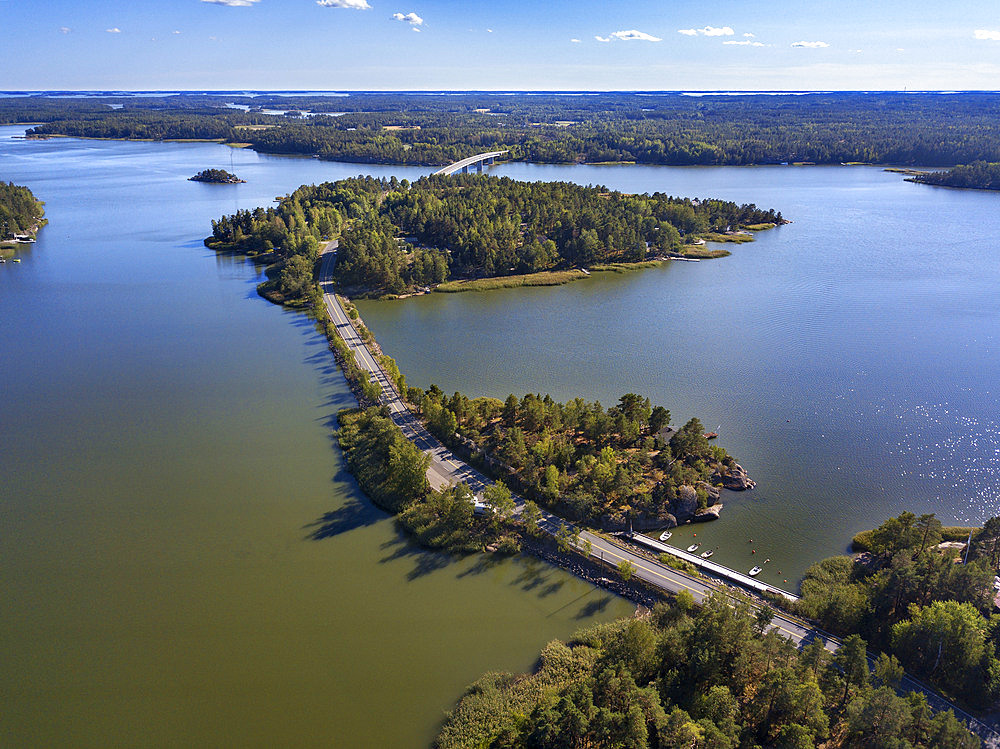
(736, 479)
(709, 513)
(686, 504)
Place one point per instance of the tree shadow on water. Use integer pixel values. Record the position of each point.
(425, 562)
(592, 608)
(534, 575)
(484, 563)
(355, 513)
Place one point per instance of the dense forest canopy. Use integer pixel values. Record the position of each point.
(705, 678)
(216, 175)
(20, 211)
(909, 596)
(601, 465)
(980, 175)
(394, 235)
(654, 128)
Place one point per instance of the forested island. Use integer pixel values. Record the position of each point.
(396, 236)
(220, 176)
(700, 678)
(655, 128)
(21, 215)
(979, 175)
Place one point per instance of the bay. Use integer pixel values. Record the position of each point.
(848, 359)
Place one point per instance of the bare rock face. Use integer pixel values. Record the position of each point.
(712, 492)
(686, 504)
(709, 513)
(736, 479)
(668, 521)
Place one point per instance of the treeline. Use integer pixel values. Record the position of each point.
(705, 678)
(475, 225)
(910, 597)
(981, 175)
(599, 465)
(20, 211)
(132, 125)
(924, 129)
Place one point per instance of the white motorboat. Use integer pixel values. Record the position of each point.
(693, 547)
(756, 571)
(707, 554)
(665, 536)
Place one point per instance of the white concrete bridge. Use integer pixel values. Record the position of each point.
(478, 161)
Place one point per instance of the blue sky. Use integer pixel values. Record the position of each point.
(520, 44)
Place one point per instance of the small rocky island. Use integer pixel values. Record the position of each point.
(218, 176)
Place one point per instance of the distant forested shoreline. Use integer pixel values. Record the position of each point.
(979, 175)
(939, 130)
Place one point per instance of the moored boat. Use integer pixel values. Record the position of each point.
(707, 554)
(756, 571)
(693, 547)
(666, 535)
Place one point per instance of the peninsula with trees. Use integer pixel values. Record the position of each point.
(927, 600)
(21, 216)
(218, 176)
(979, 175)
(396, 237)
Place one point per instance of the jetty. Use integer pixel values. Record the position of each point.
(712, 568)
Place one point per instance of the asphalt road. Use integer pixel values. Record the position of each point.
(446, 469)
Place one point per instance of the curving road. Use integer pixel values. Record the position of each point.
(446, 468)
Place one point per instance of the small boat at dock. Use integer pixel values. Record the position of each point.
(693, 547)
(756, 571)
(666, 535)
(707, 554)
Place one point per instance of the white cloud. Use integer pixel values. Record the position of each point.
(411, 18)
(352, 4)
(628, 36)
(748, 35)
(115, 30)
(986, 35)
(175, 32)
(708, 31)
(810, 45)
(232, 3)
(747, 43)
(415, 29)
(575, 41)
(64, 29)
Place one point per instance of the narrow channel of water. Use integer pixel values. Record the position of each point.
(185, 560)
